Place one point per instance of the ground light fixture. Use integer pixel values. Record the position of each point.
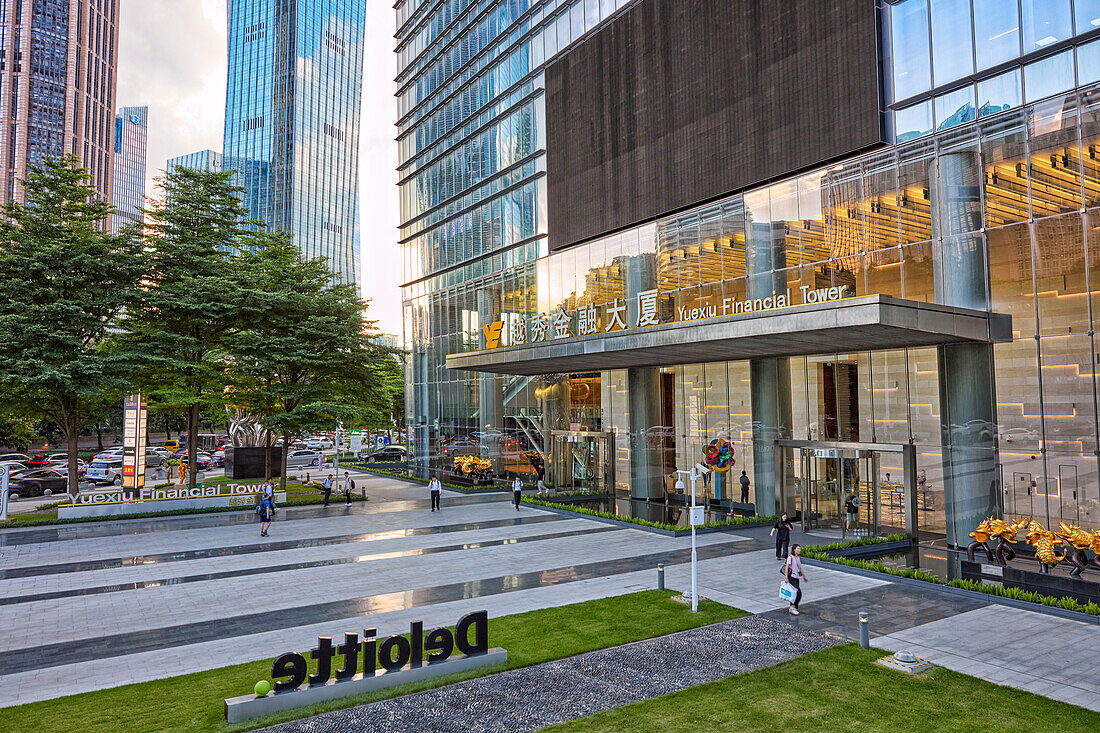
(695, 517)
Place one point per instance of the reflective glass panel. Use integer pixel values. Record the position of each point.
(955, 108)
(999, 93)
(996, 31)
(1088, 62)
(1049, 76)
(909, 48)
(912, 122)
(1045, 22)
(952, 51)
(1087, 15)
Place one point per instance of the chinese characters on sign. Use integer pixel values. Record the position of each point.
(559, 324)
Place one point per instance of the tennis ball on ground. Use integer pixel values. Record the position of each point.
(262, 688)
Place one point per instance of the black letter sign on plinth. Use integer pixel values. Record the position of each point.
(323, 654)
(289, 665)
(385, 653)
(350, 650)
(480, 621)
(439, 643)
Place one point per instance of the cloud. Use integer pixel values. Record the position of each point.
(172, 58)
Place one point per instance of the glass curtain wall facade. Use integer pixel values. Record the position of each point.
(999, 212)
(131, 148)
(292, 120)
(203, 160)
(57, 87)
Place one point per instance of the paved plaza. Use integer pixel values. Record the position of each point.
(97, 605)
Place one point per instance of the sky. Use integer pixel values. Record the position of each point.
(172, 58)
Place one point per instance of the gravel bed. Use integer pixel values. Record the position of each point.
(554, 692)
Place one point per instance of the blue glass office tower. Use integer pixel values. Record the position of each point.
(131, 148)
(209, 161)
(292, 120)
(753, 235)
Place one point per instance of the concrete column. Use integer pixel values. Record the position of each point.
(966, 384)
(769, 379)
(644, 392)
(490, 387)
(646, 469)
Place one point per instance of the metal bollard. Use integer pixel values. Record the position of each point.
(660, 576)
(307, 478)
(864, 631)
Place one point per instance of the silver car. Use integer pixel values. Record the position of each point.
(105, 471)
(303, 458)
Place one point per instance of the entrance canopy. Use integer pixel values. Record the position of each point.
(873, 322)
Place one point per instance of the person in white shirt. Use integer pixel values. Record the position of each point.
(436, 490)
(517, 489)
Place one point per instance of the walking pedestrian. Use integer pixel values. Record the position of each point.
(349, 486)
(744, 488)
(795, 576)
(517, 491)
(436, 490)
(782, 531)
(267, 512)
(327, 484)
(851, 508)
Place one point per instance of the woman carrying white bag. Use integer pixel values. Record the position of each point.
(791, 590)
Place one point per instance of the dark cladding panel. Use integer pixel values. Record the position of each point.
(677, 102)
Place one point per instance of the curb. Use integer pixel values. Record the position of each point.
(960, 592)
(654, 530)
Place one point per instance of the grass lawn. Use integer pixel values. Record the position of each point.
(194, 702)
(839, 690)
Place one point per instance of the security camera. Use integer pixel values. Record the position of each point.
(703, 470)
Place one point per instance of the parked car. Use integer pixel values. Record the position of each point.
(14, 466)
(108, 454)
(153, 457)
(172, 445)
(302, 458)
(61, 465)
(18, 457)
(390, 454)
(105, 471)
(202, 460)
(37, 481)
(39, 460)
(217, 458)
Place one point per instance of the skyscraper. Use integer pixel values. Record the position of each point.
(203, 160)
(131, 147)
(57, 73)
(292, 120)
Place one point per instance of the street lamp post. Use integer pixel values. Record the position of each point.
(694, 518)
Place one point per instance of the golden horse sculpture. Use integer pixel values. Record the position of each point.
(981, 534)
(1046, 543)
(1082, 540)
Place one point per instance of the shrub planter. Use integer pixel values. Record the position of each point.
(868, 552)
(649, 527)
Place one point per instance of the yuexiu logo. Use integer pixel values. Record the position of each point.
(135, 119)
(492, 334)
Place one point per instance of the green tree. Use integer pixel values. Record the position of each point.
(176, 335)
(63, 281)
(308, 356)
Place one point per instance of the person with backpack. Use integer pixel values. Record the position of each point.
(517, 492)
(436, 490)
(349, 486)
(266, 511)
(744, 488)
(851, 508)
(327, 485)
(795, 576)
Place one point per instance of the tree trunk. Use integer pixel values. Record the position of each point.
(167, 427)
(192, 443)
(99, 435)
(267, 457)
(282, 462)
(72, 438)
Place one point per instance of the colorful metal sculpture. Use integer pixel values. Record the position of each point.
(1081, 540)
(1045, 543)
(719, 455)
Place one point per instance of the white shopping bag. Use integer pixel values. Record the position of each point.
(787, 592)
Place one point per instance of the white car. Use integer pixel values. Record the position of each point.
(109, 454)
(105, 471)
(303, 458)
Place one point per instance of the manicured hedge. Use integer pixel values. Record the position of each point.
(643, 522)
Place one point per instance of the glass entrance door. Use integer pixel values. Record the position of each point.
(838, 491)
(581, 461)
